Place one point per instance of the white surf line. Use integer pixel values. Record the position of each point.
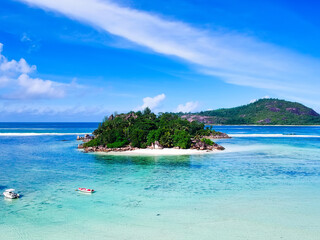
(274, 135)
(27, 128)
(38, 134)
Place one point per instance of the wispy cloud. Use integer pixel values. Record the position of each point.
(32, 44)
(233, 57)
(188, 107)
(52, 110)
(152, 102)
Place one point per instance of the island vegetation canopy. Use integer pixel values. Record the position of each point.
(142, 129)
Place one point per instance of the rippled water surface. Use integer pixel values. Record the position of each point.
(259, 188)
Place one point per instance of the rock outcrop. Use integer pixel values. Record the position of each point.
(105, 149)
(86, 138)
(195, 117)
(130, 115)
(111, 117)
(200, 145)
(218, 135)
(267, 120)
(156, 145)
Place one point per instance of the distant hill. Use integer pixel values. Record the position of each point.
(262, 112)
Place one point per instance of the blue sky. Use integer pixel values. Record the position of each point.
(79, 60)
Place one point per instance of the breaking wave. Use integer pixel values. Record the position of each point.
(38, 134)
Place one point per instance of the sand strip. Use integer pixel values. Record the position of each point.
(159, 152)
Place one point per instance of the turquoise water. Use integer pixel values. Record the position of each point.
(259, 188)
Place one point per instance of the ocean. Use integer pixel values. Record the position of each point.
(265, 185)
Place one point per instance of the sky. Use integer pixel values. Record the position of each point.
(81, 60)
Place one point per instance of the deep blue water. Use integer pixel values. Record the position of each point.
(42, 127)
(260, 187)
(297, 130)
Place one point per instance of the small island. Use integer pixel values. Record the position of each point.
(145, 130)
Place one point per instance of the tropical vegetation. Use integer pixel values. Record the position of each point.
(142, 129)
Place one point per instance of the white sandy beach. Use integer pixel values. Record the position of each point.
(159, 152)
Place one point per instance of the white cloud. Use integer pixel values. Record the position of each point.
(188, 107)
(14, 76)
(13, 66)
(45, 110)
(36, 87)
(152, 103)
(235, 58)
(4, 80)
(17, 67)
(254, 100)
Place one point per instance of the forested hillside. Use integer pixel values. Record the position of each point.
(261, 112)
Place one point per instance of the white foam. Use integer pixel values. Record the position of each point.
(38, 134)
(27, 128)
(274, 135)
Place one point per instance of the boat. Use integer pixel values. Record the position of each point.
(9, 193)
(85, 190)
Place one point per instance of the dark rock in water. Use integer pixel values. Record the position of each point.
(220, 148)
(201, 145)
(219, 135)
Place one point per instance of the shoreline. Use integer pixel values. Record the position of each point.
(158, 152)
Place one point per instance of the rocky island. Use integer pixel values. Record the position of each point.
(146, 130)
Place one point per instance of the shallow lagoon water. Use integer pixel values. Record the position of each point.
(259, 188)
